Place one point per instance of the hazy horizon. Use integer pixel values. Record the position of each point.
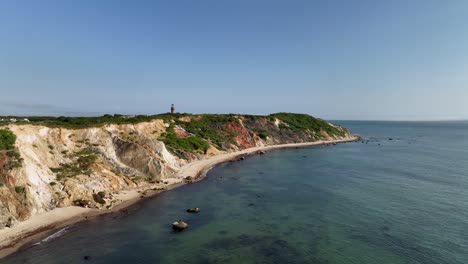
(337, 60)
(84, 114)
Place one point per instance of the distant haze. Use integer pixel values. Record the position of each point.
(378, 60)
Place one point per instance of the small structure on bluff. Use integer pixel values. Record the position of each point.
(172, 109)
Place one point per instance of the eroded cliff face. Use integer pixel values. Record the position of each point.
(87, 167)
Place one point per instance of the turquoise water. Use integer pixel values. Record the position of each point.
(403, 201)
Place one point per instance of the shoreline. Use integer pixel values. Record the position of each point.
(44, 224)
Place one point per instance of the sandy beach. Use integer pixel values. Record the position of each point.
(41, 225)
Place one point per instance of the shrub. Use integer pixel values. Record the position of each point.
(187, 144)
(7, 139)
(86, 151)
(306, 122)
(211, 127)
(86, 161)
(19, 189)
(86, 158)
(262, 134)
(13, 154)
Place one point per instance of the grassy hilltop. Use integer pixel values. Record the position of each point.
(195, 133)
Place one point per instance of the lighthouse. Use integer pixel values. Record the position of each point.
(172, 109)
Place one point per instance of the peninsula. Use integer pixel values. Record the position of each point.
(56, 171)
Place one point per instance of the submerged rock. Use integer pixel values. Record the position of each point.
(193, 210)
(179, 225)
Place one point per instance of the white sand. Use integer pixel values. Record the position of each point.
(11, 239)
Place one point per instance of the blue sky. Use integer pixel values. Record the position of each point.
(386, 60)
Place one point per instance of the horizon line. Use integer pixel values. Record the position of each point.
(328, 119)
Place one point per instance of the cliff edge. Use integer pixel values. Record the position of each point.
(58, 162)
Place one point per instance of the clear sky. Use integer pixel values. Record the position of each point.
(389, 60)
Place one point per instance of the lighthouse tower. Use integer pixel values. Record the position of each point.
(172, 109)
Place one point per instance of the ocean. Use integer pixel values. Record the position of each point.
(400, 196)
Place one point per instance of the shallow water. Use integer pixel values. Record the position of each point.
(403, 201)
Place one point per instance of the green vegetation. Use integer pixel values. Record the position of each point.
(263, 134)
(211, 127)
(86, 151)
(303, 121)
(86, 161)
(138, 178)
(86, 158)
(7, 139)
(7, 146)
(13, 154)
(188, 179)
(84, 122)
(187, 144)
(203, 129)
(19, 189)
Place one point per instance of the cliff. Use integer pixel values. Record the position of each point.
(58, 162)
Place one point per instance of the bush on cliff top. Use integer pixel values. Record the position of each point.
(303, 121)
(96, 121)
(7, 139)
(84, 122)
(187, 144)
(7, 147)
(204, 129)
(211, 127)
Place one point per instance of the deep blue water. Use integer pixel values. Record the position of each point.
(403, 200)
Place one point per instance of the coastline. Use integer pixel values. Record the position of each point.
(44, 224)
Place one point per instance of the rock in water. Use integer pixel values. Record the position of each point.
(193, 210)
(179, 225)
